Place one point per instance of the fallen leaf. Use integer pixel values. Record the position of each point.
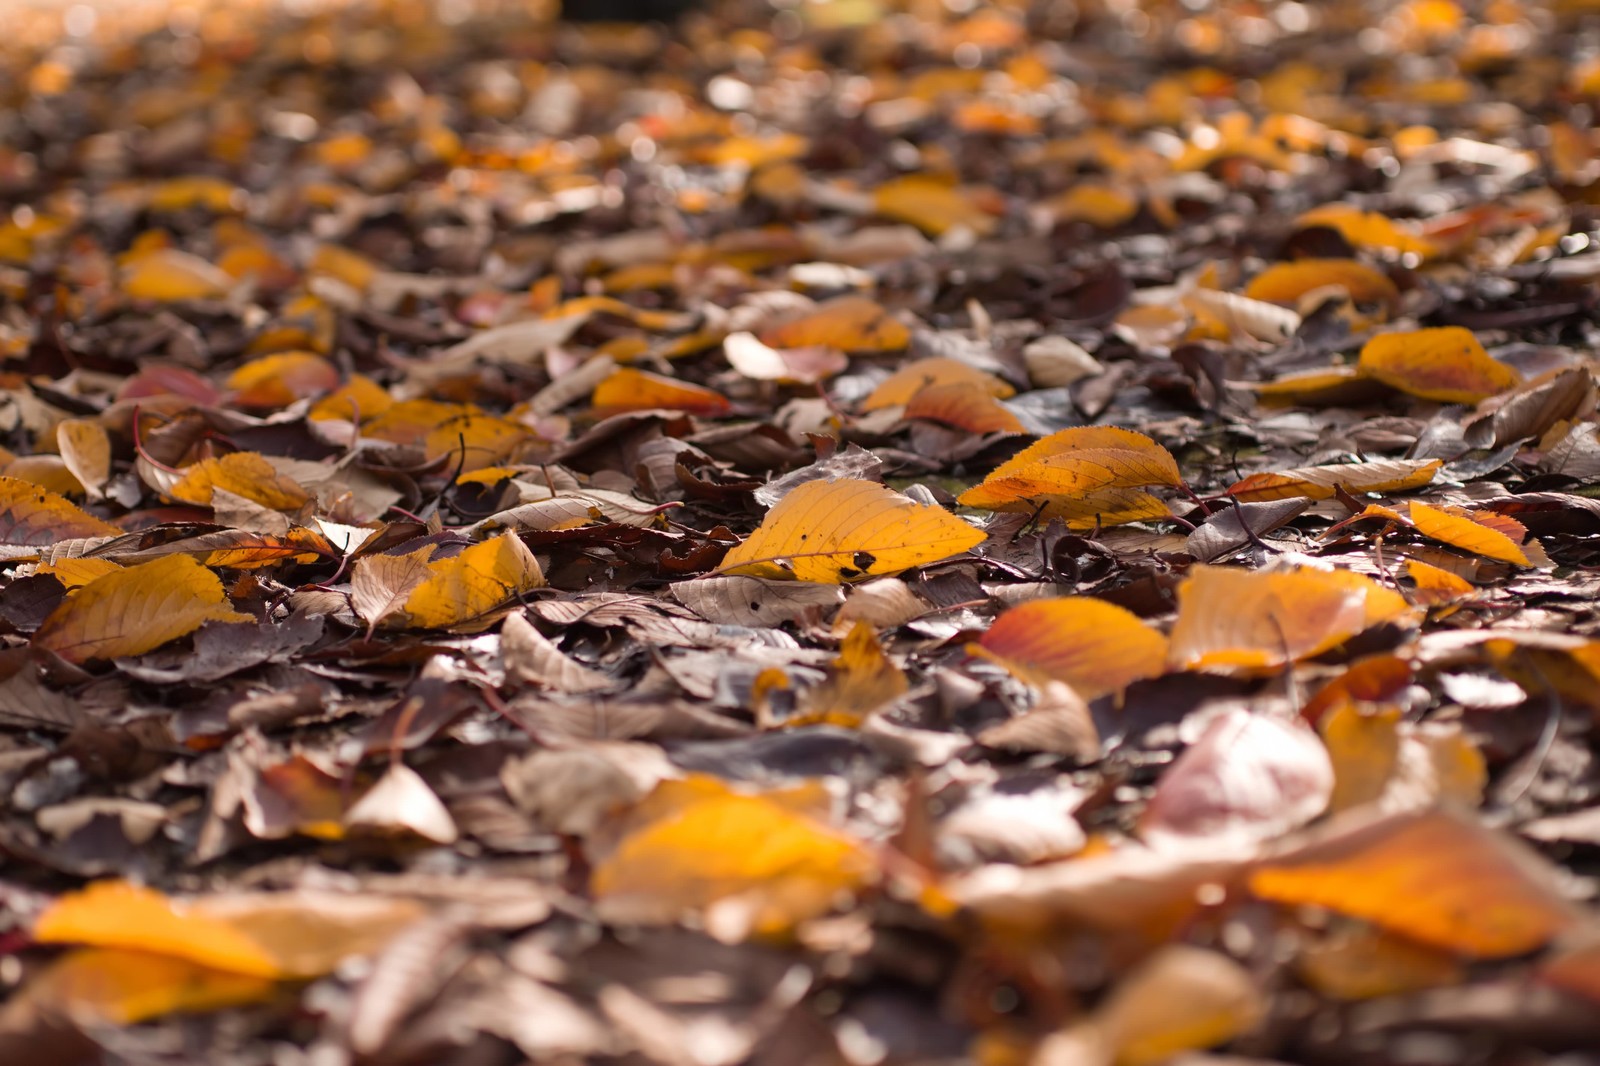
(933, 206)
(1461, 531)
(635, 390)
(1249, 777)
(849, 323)
(86, 449)
(1324, 482)
(697, 843)
(1434, 876)
(1094, 646)
(135, 610)
(274, 381)
(899, 388)
(34, 517)
(863, 680)
(1238, 619)
(466, 591)
(116, 986)
(960, 407)
(244, 474)
(835, 531)
(1445, 364)
(1087, 476)
(1286, 283)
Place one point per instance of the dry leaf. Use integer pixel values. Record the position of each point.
(635, 390)
(1323, 482)
(898, 388)
(1461, 531)
(531, 657)
(1087, 476)
(466, 591)
(86, 449)
(381, 584)
(1445, 364)
(1249, 777)
(34, 517)
(245, 474)
(697, 843)
(1286, 283)
(135, 610)
(1436, 877)
(1093, 646)
(835, 531)
(849, 323)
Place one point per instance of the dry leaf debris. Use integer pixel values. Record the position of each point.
(875, 531)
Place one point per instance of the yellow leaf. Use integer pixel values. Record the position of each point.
(1437, 877)
(1364, 963)
(1285, 283)
(836, 531)
(1462, 532)
(1365, 748)
(1445, 364)
(931, 205)
(475, 440)
(197, 190)
(1238, 619)
(246, 474)
(1436, 586)
(465, 591)
(1094, 646)
(903, 384)
(1323, 482)
(850, 323)
(1100, 204)
(358, 400)
(135, 610)
(1087, 476)
(341, 264)
(962, 407)
(700, 843)
(75, 573)
(34, 517)
(1181, 999)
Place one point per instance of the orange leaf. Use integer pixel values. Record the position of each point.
(279, 380)
(195, 190)
(1239, 619)
(246, 474)
(961, 407)
(836, 531)
(700, 844)
(1285, 283)
(1435, 586)
(466, 591)
(931, 205)
(1460, 531)
(1369, 229)
(120, 987)
(635, 390)
(1323, 482)
(1445, 364)
(1099, 204)
(406, 422)
(1088, 475)
(135, 610)
(116, 914)
(169, 275)
(849, 323)
(475, 440)
(1094, 646)
(1434, 876)
(34, 517)
(1371, 680)
(898, 388)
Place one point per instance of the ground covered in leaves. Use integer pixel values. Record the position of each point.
(865, 533)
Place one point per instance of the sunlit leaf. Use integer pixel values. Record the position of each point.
(135, 610)
(834, 531)
(279, 380)
(1436, 877)
(849, 323)
(698, 843)
(32, 516)
(168, 275)
(117, 986)
(86, 449)
(1088, 476)
(1239, 619)
(1445, 364)
(1287, 282)
(636, 390)
(898, 388)
(962, 407)
(1369, 229)
(864, 679)
(1460, 531)
(466, 589)
(244, 474)
(1094, 646)
(1324, 482)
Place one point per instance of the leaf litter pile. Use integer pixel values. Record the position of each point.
(867, 533)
